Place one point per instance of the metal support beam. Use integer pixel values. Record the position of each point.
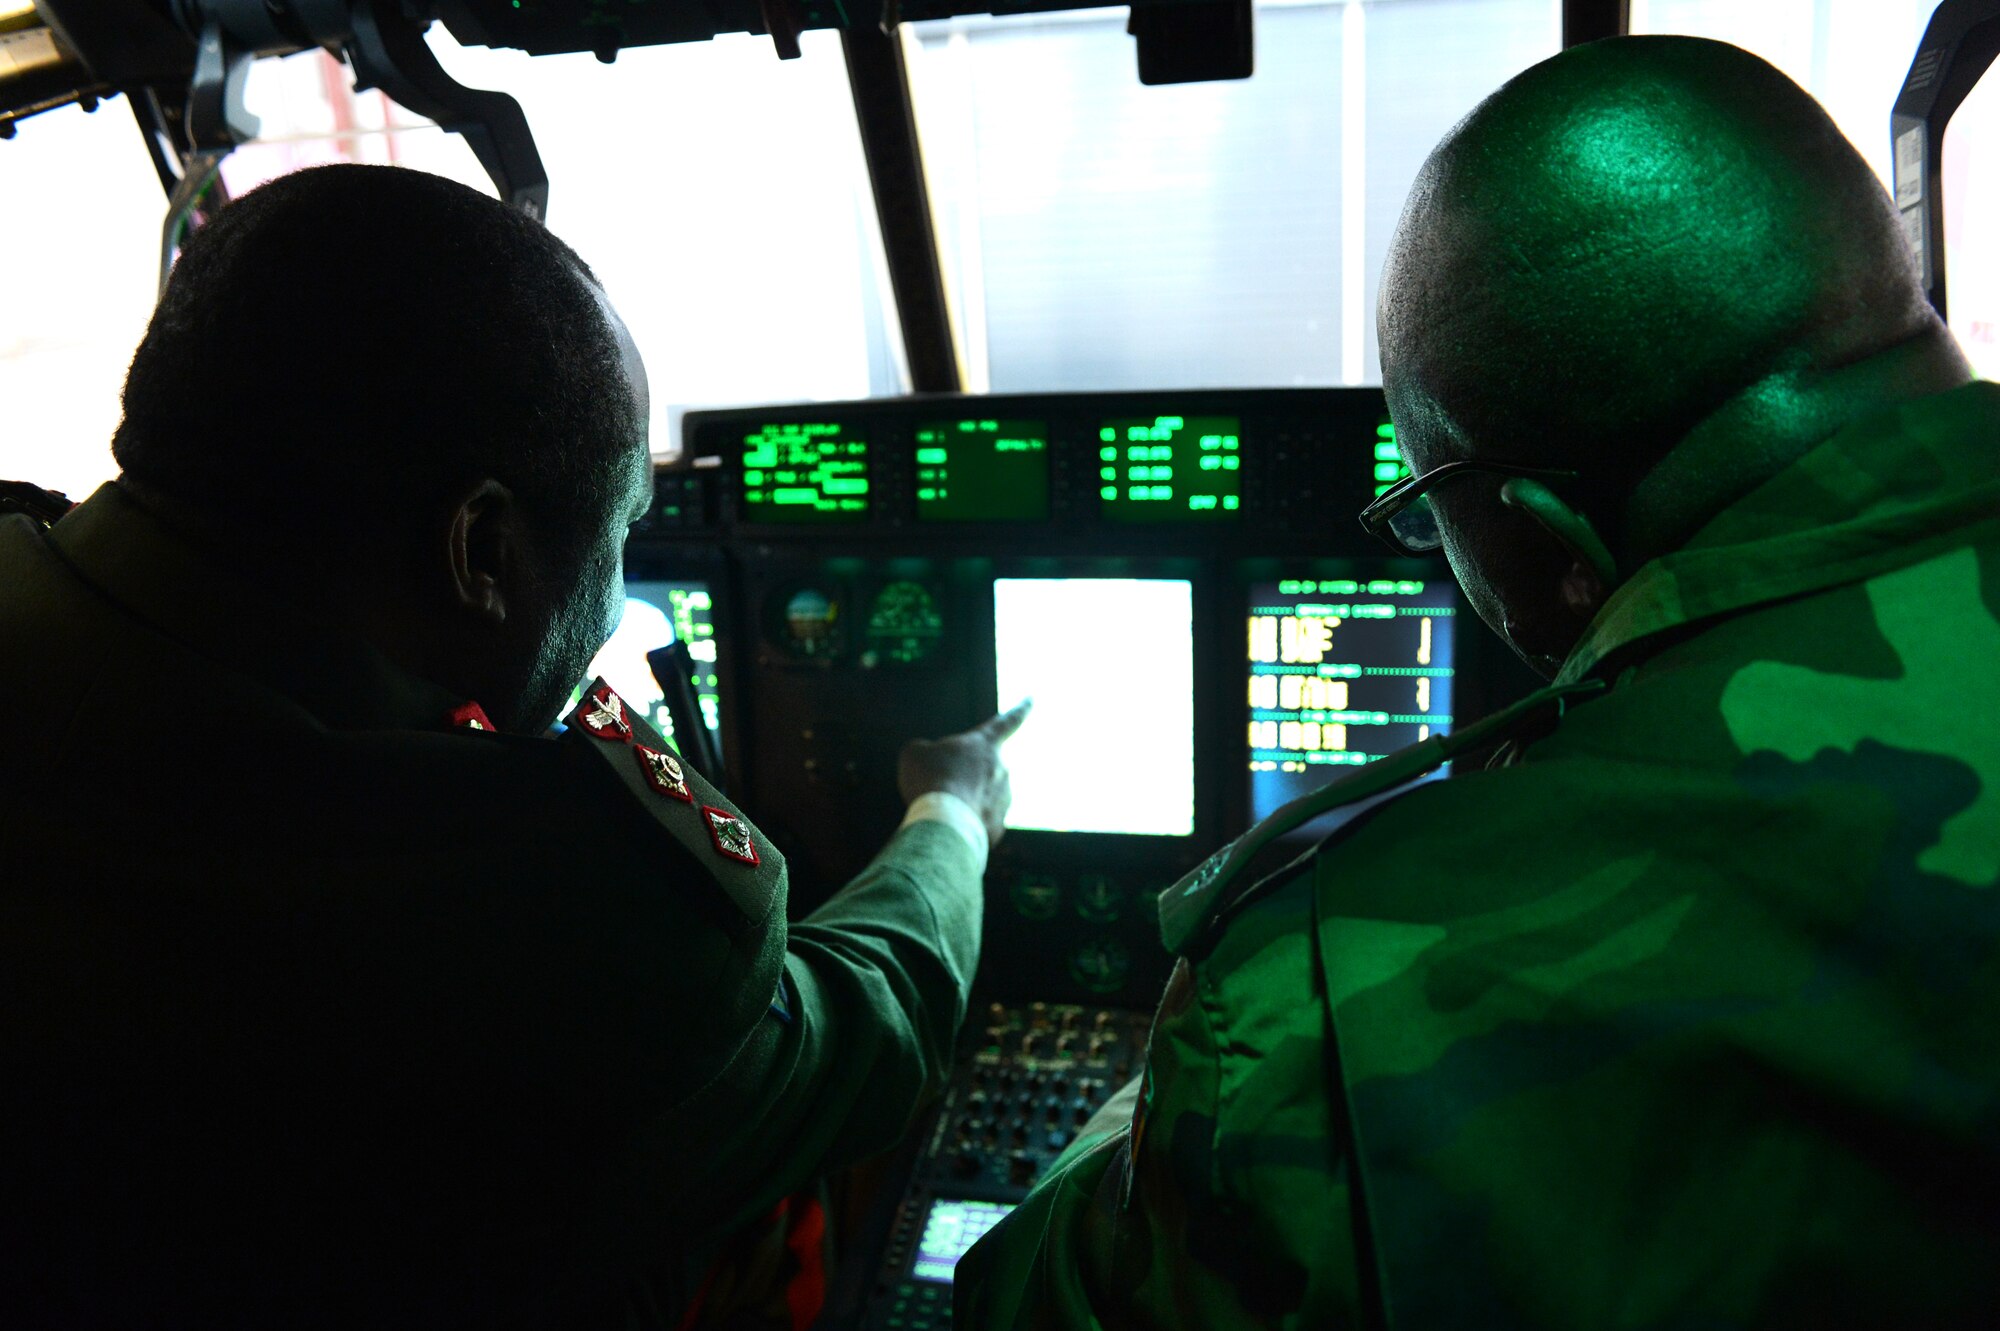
(882, 110)
(1591, 20)
(1959, 46)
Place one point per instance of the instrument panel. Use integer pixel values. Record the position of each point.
(1032, 1077)
(1136, 470)
(1177, 577)
(1179, 581)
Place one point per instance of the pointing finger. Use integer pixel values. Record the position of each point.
(999, 729)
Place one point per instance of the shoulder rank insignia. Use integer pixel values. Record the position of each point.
(603, 714)
(663, 773)
(673, 795)
(731, 837)
(471, 716)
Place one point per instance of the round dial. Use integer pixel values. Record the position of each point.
(810, 622)
(1100, 966)
(1036, 896)
(1098, 898)
(904, 625)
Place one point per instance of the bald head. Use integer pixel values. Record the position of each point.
(1623, 237)
(1653, 262)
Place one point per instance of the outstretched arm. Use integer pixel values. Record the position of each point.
(874, 988)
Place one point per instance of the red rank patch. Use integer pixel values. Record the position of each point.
(603, 715)
(730, 835)
(471, 716)
(663, 773)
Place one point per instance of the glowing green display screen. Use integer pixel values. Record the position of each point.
(1389, 466)
(1170, 469)
(804, 472)
(983, 471)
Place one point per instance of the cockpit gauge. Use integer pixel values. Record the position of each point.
(1099, 898)
(809, 623)
(904, 625)
(1037, 896)
(1101, 965)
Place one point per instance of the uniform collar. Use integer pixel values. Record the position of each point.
(143, 566)
(1885, 492)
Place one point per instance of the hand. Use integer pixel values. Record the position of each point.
(967, 765)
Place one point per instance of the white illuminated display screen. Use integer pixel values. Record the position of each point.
(950, 1229)
(1110, 665)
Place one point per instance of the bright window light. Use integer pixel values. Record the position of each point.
(1100, 234)
(719, 192)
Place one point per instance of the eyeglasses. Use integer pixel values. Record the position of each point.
(1402, 518)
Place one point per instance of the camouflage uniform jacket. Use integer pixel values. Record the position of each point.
(1688, 1018)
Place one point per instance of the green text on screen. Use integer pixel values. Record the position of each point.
(1170, 469)
(804, 472)
(982, 471)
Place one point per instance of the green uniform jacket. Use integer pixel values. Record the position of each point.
(316, 1010)
(1689, 1018)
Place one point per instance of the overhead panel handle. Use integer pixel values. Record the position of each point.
(1958, 46)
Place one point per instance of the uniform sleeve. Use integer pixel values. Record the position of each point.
(875, 984)
(827, 1033)
(1223, 1200)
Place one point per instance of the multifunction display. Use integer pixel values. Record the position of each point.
(1170, 469)
(951, 1227)
(982, 471)
(804, 472)
(1110, 665)
(1341, 672)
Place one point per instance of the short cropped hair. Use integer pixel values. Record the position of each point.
(350, 341)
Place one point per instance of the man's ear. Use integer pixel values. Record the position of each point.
(1593, 572)
(483, 548)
